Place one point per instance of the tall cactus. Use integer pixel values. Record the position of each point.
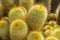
(36, 17)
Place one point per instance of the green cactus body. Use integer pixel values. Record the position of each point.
(1, 10)
(53, 16)
(35, 36)
(4, 30)
(18, 30)
(52, 23)
(57, 34)
(51, 38)
(26, 3)
(16, 13)
(36, 17)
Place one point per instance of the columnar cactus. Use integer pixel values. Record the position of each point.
(18, 30)
(36, 17)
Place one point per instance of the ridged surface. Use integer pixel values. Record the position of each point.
(36, 17)
(16, 13)
(18, 30)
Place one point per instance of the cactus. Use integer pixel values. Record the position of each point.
(18, 30)
(53, 16)
(26, 3)
(4, 19)
(48, 33)
(4, 30)
(48, 27)
(57, 34)
(36, 17)
(35, 36)
(16, 13)
(1, 10)
(56, 27)
(51, 38)
(52, 23)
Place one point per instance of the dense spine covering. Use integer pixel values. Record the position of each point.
(18, 30)
(35, 36)
(4, 30)
(36, 17)
(16, 13)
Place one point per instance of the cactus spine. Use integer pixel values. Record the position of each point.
(18, 30)
(36, 17)
(16, 13)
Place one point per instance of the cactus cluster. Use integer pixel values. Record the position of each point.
(25, 20)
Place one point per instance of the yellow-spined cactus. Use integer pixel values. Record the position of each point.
(36, 17)
(35, 36)
(16, 13)
(18, 30)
